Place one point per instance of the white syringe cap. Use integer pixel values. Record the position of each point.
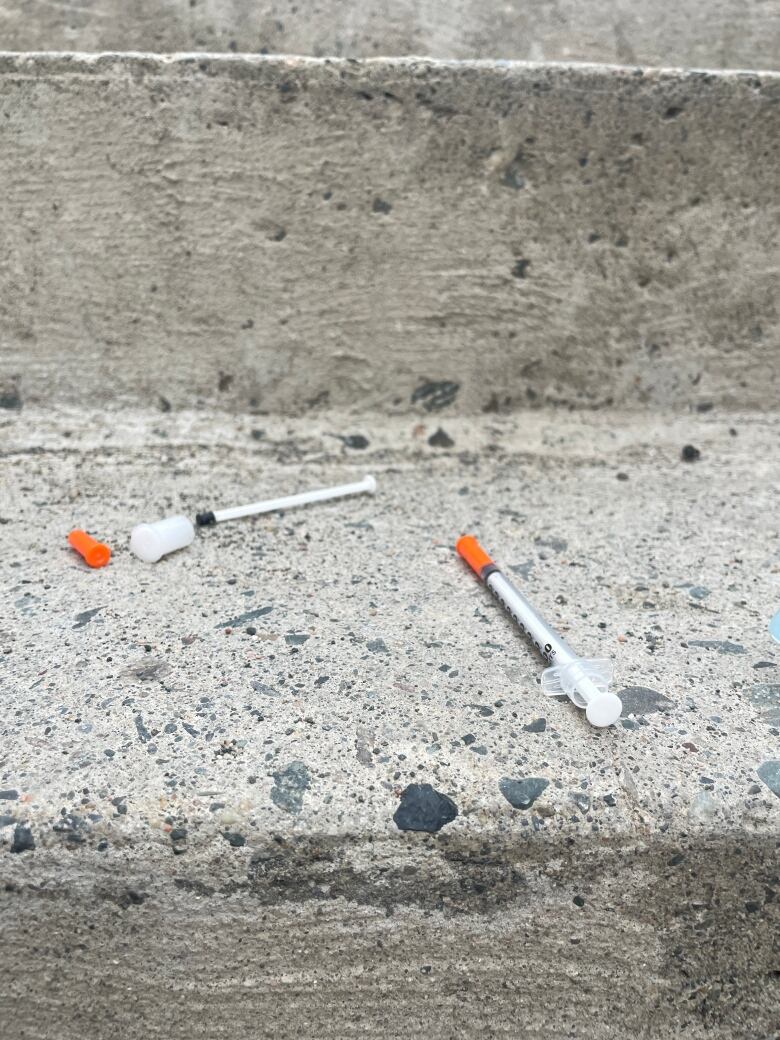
(585, 682)
(604, 710)
(150, 542)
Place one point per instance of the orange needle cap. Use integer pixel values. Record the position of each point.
(95, 554)
(472, 552)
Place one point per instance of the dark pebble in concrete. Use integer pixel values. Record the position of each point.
(690, 454)
(23, 839)
(766, 697)
(356, 441)
(9, 795)
(422, 808)
(234, 839)
(291, 783)
(723, 646)
(581, 800)
(699, 591)
(143, 733)
(642, 700)
(269, 691)
(521, 794)
(436, 395)
(295, 638)
(376, 646)
(769, 773)
(10, 399)
(250, 615)
(440, 439)
(537, 726)
(86, 616)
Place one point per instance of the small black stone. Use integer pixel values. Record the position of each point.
(641, 700)
(9, 795)
(290, 785)
(234, 839)
(295, 638)
(768, 771)
(581, 800)
(578, 901)
(441, 439)
(436, 395)
(356, 441)
(251, 630)
(521, 794)
(23, 839)
(690, 454)
(422, 808)
(537, 726)
(10, 398)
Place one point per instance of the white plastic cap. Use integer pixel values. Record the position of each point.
(370, 483)
(604, 710)
(150, 542)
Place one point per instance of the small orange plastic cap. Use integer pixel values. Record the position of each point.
(472, 552)
(95, 554)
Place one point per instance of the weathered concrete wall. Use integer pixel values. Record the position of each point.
(718, 34)
(272, 234)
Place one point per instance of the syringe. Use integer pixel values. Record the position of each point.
(583, 680)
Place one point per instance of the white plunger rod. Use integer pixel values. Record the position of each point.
(271, 505)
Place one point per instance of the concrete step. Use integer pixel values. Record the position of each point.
(288, 234)
(203, 760)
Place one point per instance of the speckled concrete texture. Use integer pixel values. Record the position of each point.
(288, 235)
(718, 34)
(206, 763)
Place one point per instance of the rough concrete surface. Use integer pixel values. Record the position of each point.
(205, 764)
(288, 234)
(717, 34)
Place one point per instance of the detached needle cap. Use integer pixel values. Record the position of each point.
(95, 553)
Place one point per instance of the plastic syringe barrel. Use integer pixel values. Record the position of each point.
(545, 639)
